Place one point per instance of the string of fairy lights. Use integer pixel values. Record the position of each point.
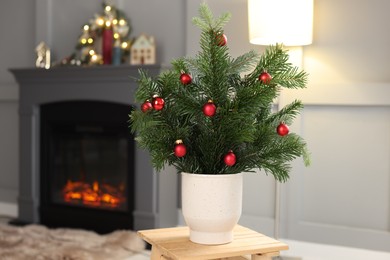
(104, 40)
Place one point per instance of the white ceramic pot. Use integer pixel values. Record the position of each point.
(211, 206)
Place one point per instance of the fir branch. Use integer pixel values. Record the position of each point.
(222, 21)
(147, 87)
(275, 58)
(306, 155)
(290, 78)
(193, 66)
(140, 121)
(286, 114)
(279, 170)
(243, 63)
(206, 21)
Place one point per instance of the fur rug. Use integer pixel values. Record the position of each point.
(36, 242)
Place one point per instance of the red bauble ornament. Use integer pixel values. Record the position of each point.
(158, 103)
(180, 149)
(209, 109)
(282, 129)
(230, 158)
(265, 77)
(185, 79)
(221, 39)
(146, 106)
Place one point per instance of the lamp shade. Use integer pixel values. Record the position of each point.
(289, 22)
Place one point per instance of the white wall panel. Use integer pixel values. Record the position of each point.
(348, 183)
(16, 49)
(259, 193)
(9, 167)
(258, 206)
(344, 196)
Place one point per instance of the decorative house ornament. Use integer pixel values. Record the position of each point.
(43, 56)
(224, 118)
(143, 50)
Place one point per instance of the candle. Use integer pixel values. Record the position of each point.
(107, 44)
(116, 53)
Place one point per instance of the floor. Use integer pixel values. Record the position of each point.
(141, 256)
(300, 251)
(312, 251)
(309, 251)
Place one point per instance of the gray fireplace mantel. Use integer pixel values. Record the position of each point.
(103, 83)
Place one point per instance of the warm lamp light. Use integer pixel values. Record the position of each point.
(288, 22)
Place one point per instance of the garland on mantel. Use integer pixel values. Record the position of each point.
(104, 40)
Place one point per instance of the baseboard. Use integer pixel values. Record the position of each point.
(9, 209)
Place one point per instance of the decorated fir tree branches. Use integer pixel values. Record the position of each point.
(203, 116)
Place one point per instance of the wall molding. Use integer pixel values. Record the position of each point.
(343, 94)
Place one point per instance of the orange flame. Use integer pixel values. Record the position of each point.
(97, 195)
(95, 186)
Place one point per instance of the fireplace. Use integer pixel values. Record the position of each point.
(87, 166)
(64, 180)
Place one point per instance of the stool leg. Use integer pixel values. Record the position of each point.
(264, 256)
(156, 254)
(261, 257)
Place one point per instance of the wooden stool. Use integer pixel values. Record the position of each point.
(174, 244)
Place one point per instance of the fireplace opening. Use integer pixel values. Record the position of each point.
(87, 166)
(91, 168)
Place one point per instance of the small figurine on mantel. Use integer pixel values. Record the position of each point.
(143, 50)
(43, 56)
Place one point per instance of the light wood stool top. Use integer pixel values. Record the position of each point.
(174, 244)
